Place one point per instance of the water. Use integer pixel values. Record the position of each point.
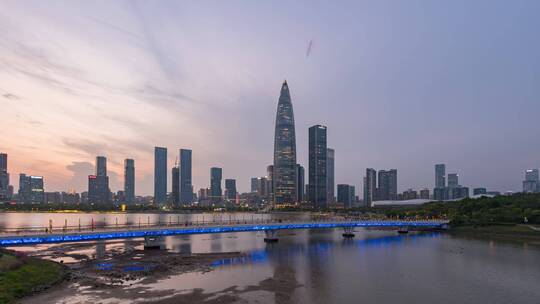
(321, 267)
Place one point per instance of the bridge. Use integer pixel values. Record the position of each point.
(153, 233)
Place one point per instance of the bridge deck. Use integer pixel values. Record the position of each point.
(40, 237)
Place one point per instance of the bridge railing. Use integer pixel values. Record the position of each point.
(103, 226)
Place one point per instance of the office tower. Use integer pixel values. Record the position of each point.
(370, 186)
(531, 183)
(4, 178)
(270, 176)
(300, 183)
(31, 189)
(262, 187)
(98, 184)
(424, 194)
(3, 162)
(387, 189)
(317, 166)
(440, 193)
(160, 175)
(453, 180)
(479, 191)
(254, 184)
(345, 195)
(531, 175)
(330, 185)
(101, 166)
(175, 187)
(440, 172)
(230, 188)
(186, 184)
(129, 180)
(215, 183)
(284, 177)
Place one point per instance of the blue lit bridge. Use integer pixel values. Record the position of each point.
(44, 235)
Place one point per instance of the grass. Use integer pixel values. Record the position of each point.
(29, 276)
(510, 231)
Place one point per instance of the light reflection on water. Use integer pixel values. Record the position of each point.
(319, 266)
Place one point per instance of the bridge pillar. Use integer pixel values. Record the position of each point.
(153, 242)
(271, 236)
(348, 232)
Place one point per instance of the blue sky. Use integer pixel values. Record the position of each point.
(400, 84)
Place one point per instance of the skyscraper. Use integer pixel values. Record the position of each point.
(301, 183)
(330, 184)
(175, 187)
(453, 180)
(230, 188)
(531, 183)
(387, 189)
(31, 189)
(370, 186)
(284, 177)
(215, 183)
(4, 178)
(160, 175)
(440, 192)
(186, 184)
(317, 166)
(440, 172)
(345, 195)
(129, 180)
(270, 175)
(98, 184)
(254, 184)
(101, 166)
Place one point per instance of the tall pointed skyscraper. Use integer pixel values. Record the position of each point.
(284, 177)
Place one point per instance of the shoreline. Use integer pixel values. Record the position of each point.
(511, 233)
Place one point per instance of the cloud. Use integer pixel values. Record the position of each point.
(79, 175)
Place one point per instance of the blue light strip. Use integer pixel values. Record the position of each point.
(64, 238)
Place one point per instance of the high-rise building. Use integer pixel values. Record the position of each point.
(300, 183)
(129, 180)
(270, 176)
(424, 194)
(453, 180)
(330, 184)
(387, 189)
(4, 178)
(440, 172)
(439, 192)
(101, 166)
(230, 188)
(98, 184)
(215, 183)
(531, 183)
(317, 166)
(345, 195)
(254, 184)
(3, 162)
(31, 189)
(175, 187)
(284, 177)
(186, 184)
(160, 175)
(370, 186)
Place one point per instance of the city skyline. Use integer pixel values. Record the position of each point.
(62, 96)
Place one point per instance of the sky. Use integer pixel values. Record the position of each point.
(399, 84)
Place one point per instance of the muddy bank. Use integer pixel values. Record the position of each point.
(121, 272)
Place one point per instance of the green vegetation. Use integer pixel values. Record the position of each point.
(21, 275)
(499, 210)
